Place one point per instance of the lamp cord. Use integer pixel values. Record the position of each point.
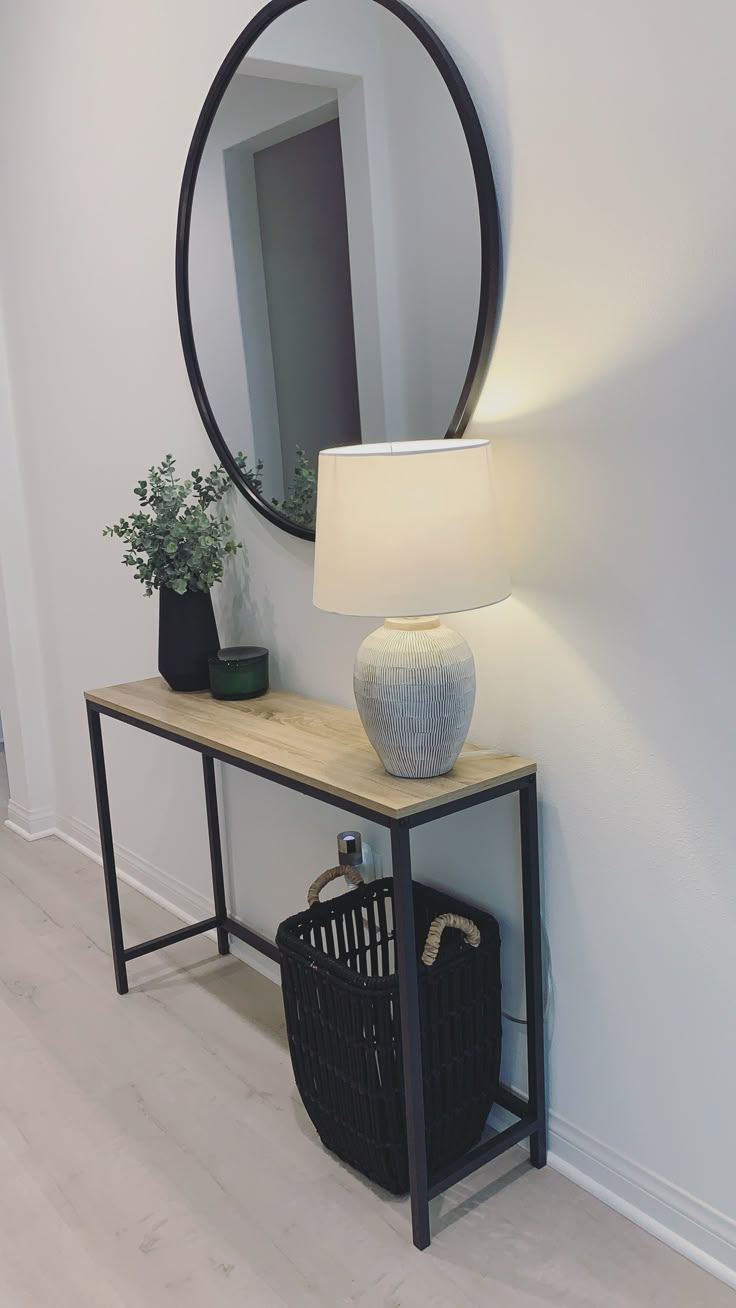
(546, 983)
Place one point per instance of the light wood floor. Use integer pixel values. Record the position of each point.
(153, 1150)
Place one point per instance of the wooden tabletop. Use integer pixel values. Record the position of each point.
(319, 744)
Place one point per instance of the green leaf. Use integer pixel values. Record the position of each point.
(171, 540)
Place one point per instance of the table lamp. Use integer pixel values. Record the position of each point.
(405, 531)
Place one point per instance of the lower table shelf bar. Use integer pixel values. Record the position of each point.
(252, 938)
(171, 938)
(483, 1153)
(513, 1103)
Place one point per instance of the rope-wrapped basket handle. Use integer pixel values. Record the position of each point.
(332, 873)
(434, 935)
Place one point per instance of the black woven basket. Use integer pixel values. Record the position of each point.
(341, 998)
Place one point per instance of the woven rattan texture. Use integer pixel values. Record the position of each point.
(341, 998)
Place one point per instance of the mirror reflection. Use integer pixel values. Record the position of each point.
(335, 248)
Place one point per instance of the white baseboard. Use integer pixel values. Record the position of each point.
(30, 823)
(185, 903)
(164, 889)
(689, 1226)
(694, 1229)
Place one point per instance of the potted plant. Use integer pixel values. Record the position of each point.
(178, 546)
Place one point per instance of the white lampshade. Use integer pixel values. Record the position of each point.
(408, 529)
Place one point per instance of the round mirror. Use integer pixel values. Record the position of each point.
(338, 250)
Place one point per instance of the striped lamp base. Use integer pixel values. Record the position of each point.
(415, 689)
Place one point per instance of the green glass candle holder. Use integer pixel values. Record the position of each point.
(239, 673)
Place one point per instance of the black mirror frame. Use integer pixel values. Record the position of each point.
(490, 232)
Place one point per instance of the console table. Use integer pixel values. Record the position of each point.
(321, 750)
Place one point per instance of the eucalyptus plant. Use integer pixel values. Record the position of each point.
(174, 540)
(299, 503)
(179, 538)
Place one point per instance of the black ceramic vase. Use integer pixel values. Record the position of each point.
(187, 635)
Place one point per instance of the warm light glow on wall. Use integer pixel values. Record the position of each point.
(534, 370)
(504, 398)
(575, 315)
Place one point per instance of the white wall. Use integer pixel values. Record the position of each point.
(23, 681)
(611, 403)
(435, 207)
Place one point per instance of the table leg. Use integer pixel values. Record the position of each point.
(533, 968)
(406, 961)
(108, 850)
(213, 828)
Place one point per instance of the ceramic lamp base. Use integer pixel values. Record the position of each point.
(414, 685)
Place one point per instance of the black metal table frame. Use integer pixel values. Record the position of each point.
(531, 1112)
